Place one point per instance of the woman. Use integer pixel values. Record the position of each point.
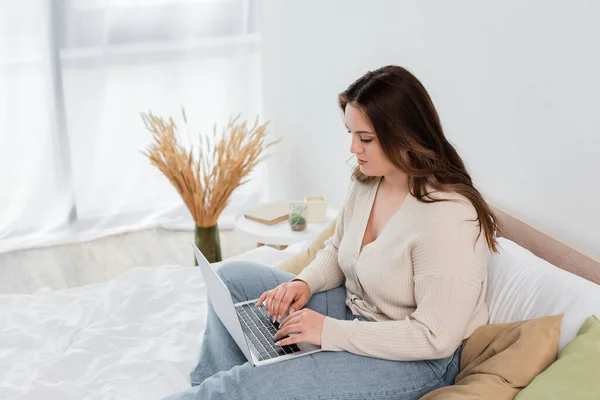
(399, 285)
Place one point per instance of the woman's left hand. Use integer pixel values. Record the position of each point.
(306, 324)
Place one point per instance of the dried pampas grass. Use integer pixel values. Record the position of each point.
(207, 181)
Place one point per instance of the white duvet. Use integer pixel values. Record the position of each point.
(135, 337)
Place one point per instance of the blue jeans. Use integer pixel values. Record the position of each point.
(223, 371)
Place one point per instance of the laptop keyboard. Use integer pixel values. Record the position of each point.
(261, 331)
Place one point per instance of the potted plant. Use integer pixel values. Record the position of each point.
(206, 181)
(297, 216)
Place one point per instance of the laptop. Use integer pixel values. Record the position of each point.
(247, 324)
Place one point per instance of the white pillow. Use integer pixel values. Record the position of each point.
(298, 247)
(523, 286)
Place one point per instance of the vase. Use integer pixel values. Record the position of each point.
(207, 240)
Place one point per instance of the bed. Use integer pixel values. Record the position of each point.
(135, 337)
(138, 336)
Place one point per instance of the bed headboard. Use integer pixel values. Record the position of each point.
(545, 246)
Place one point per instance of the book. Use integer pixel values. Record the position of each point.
(270, 213)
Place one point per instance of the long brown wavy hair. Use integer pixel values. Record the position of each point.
(408, 128)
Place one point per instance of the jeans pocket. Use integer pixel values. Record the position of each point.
(442, 367)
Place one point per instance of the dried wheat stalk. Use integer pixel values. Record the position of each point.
(206, 183)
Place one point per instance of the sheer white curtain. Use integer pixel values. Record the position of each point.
(75, 76)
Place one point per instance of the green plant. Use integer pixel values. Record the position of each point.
(298, 220)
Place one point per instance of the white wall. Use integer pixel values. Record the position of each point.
(517, 86)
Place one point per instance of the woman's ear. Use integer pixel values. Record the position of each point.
(405, 156)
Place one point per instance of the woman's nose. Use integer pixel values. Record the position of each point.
(355, 146)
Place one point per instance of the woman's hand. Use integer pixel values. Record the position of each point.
(289, 295)
(306, 326)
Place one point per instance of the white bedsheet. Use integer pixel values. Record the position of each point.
(135, 337)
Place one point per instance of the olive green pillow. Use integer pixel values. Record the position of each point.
(297, 263)
(576, 373)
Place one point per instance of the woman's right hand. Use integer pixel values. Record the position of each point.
(290, 296)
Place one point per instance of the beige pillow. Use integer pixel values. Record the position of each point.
(297, 263)
(499, 360)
